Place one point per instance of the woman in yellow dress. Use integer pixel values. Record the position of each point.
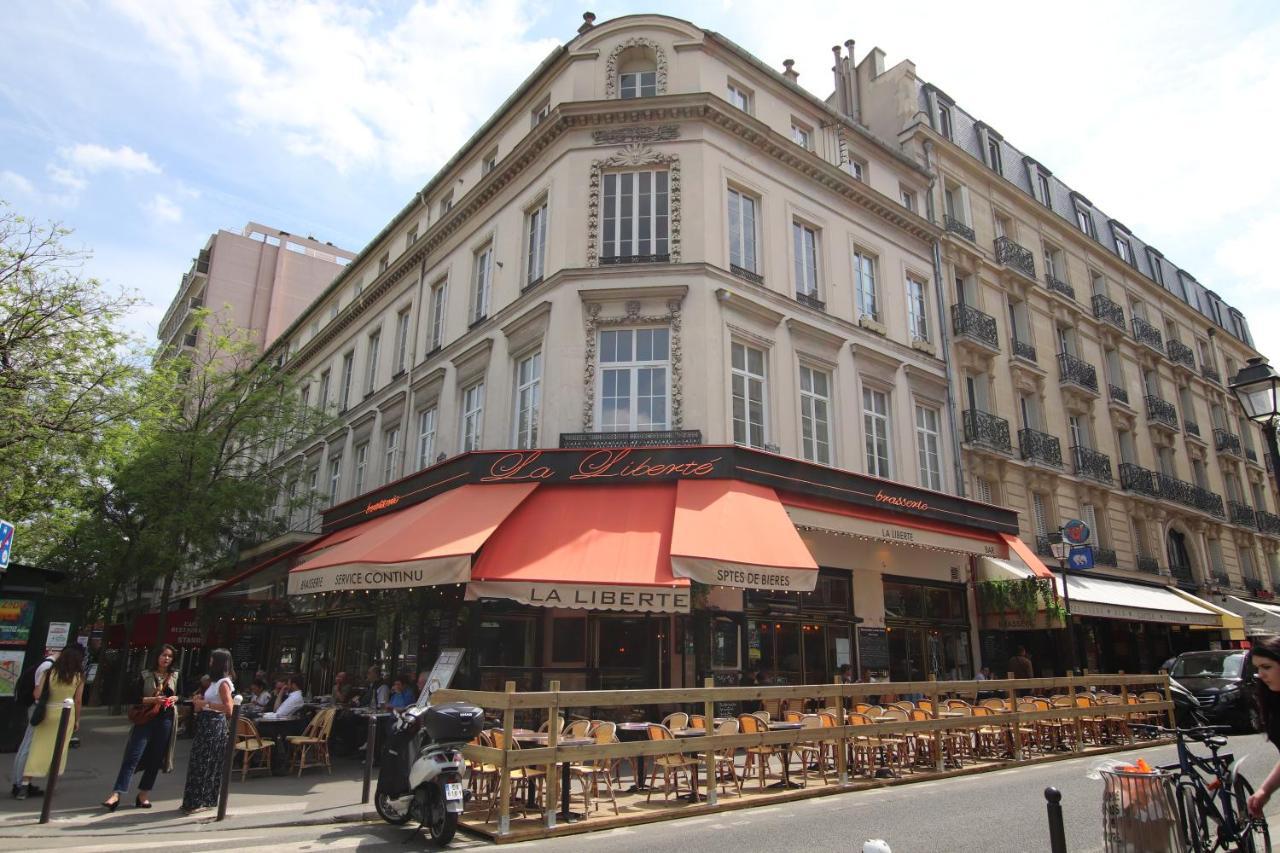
(64, 681)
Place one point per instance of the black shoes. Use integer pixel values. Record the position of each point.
(111, 806)
(139, 804)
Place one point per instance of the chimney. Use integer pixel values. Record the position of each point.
(837, 72)
(588, 21)
(789, 72)
(851, 82)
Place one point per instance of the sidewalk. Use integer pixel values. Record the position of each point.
(259, 801)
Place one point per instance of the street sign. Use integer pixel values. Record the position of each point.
(1075, 531)
(6, 544)
(1081, 557)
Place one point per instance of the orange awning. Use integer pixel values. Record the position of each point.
(1020, 553)
(731, 533)
(428, 543)
(586, 547)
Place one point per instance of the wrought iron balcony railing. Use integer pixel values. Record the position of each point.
(1043, 548)
(1015, 257)
(1040, 447)
(1135, 478)
(1221, 578)
(621, 260)
(1091, 463)
(1181, 572)
(1161, 411)
(1226, 442)
(955, 226)
(1147, 563)
(986, 430)
(812, 301)
(969, 322)
(1057, 285)
(1191, 427)
(1241, 514)
(1268, 523)
(647, 438)
(1180, 353)
(1210, 373)
(1145, 333)
(1077, 371)
(1118, 394)
(1190, 495)
(1108, 311)
(1105, 557)
(1024, 350)
(746, 274)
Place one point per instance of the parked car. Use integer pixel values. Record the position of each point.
(1186, 708)
(1222, 683)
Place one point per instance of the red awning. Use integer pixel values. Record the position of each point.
(731, 533)
(586, 547)
(1020, 551)
(182, 629)
(428, 543)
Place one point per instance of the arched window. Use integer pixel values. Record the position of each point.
(637, 73)
(1179, 555)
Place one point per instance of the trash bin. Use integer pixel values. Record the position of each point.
(1140, 812)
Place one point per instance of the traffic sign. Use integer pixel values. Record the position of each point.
(1081, 557)
(1075, 531)
(6, 544)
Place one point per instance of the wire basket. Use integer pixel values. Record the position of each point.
(1140, 812)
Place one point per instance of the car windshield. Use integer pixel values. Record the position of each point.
(1208, 666)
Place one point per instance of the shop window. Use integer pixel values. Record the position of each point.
(506, 641)
(724, 644)
(568, 640)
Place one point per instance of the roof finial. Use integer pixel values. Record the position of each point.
(588, 21)
(788, 71)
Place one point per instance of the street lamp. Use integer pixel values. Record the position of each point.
(1062, 549)
(1257, 387)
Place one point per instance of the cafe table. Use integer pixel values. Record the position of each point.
(628, 732)
(279, 729)
(786, 754)
(536, 739)
(693, 796)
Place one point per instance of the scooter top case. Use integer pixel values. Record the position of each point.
(453, 722)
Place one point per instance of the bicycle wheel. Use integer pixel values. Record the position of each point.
(1195, 826)
(1256, 837)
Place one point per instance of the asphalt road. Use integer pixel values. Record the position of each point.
(1001, 812)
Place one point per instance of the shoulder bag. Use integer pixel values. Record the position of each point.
(145, 712)
(38, 710)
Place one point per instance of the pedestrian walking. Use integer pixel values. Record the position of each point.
(209, 742)
(1020, 664)
(154, 734)
(1265, 657)
(64, 680)
(26, 698)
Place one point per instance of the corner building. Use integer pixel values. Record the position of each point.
(648, 384)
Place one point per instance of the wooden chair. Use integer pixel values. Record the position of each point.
(725, 765)
(997, 705)
(898, 748)
(483, 777)
(250, 744)
(545, 728)
(793, 717)
(862, 707)
(671, 765)
(523, 779)
(925, 705)
(697, 721)
(757, 755)
(990, 741)
(905, 706)
(592, 772)
(314, 740)
(578, 728)
(678, 720)
(812, 753)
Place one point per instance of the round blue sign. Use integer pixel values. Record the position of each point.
(1075, 531)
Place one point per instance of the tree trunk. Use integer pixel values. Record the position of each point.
(162, 623)
(95, 697)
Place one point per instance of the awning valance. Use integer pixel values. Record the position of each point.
(1115, 599)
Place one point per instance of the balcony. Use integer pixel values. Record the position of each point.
(1189, 495)
(1108, 311)
(1105, 557)
(1120, 395)
(1241, 514)
(1023, 350)
(1254, 585)
(1221, 578)
(1015, 257)
(955, 226)
(1268, 523)
(746, 274)
(1211, 373)
(649, 438)
(1040, 447)
(1092, 464)
(1149, 564)
(1059, 286)
(1145, 333)
(1226, 442)
(1078, 372)
(623, 260)
(982, 429)
(1181, 354)
(1191, 428)
(1161, 413)
(1135, 478)
(812, 301)
(974, 325)
(1043, 548)
(1182, 573)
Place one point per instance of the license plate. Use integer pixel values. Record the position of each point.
(453, 790)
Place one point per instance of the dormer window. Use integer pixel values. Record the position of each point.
(1123, 249)
(1157, 271)
(1042, 183)
(944, 120)
(993, 154)
(1084, 221)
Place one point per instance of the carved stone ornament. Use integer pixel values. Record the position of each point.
(637, 154)
(626, 135)
(633, 317)
(611, 66)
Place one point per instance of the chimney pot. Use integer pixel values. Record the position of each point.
(588, 21)
(790, 73)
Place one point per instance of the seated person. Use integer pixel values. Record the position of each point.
(400, 697)
(292, 703)
(378, 693)
(342, 690)
(260, 697)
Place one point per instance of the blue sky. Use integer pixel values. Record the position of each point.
(147, 125)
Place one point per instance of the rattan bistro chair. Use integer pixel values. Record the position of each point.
(528, 780)
(671, 765)
(314, 740)
(726, 766)
(592, 772)
(757, 755)
(250, 744)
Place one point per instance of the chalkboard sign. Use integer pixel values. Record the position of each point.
(873, 648)
(442, 673)
(727, 708)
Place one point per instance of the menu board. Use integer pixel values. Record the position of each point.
(443, 672)
(873, 648)
(16, 618)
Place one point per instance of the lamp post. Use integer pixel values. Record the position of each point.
(1060, 550)
(1257, 387)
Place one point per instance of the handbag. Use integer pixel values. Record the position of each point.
(38, 710)
(145, 712)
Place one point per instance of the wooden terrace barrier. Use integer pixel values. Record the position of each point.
(548, 705)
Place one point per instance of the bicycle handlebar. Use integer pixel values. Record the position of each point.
(1198, 733)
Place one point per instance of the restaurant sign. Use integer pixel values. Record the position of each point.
(870, 528)
(631, 599)
(346, 577)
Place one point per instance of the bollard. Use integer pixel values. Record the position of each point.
(1057, 834)
(370, 743)
(234, 725)
(55, 766)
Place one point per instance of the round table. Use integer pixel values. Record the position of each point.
(786, 754)
(279, 729)
(627, 733)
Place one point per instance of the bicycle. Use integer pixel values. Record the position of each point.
(1212, 796)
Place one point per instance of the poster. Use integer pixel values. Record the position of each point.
(59, 633)
(842, 652)
(16, 618)
(10, 669)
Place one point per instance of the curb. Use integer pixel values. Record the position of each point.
(207, 825)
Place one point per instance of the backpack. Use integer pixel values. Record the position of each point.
(24, 691)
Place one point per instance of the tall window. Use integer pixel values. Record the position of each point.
(426, 436)
(739, 97)
(1042, 181)
(815, 415)
(348, 365)
(635, 216)
(482, 280)
(528, 400)
(472, 416)
(748, 387)
(875, 426)
(362, 462)
(390, 452)
(322, 400)
(1123, 249)
(982, 489)
(944, 120)
(1083, 221)
(864, 267)
(335, 478)
(742, 231)
(536, 245)
(1039, 514)
(313, 494)
(634, 365)
(371, 374)
(806, 251)
(802, 136)
(435, 332)
(917, 313)
(928, 447)
(638, 84)
(993, 154)
(402, 341)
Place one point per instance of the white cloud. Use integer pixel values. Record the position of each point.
(163, 209)
(92, 158)
(66, 178)
(13, 182)
(351, 86)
